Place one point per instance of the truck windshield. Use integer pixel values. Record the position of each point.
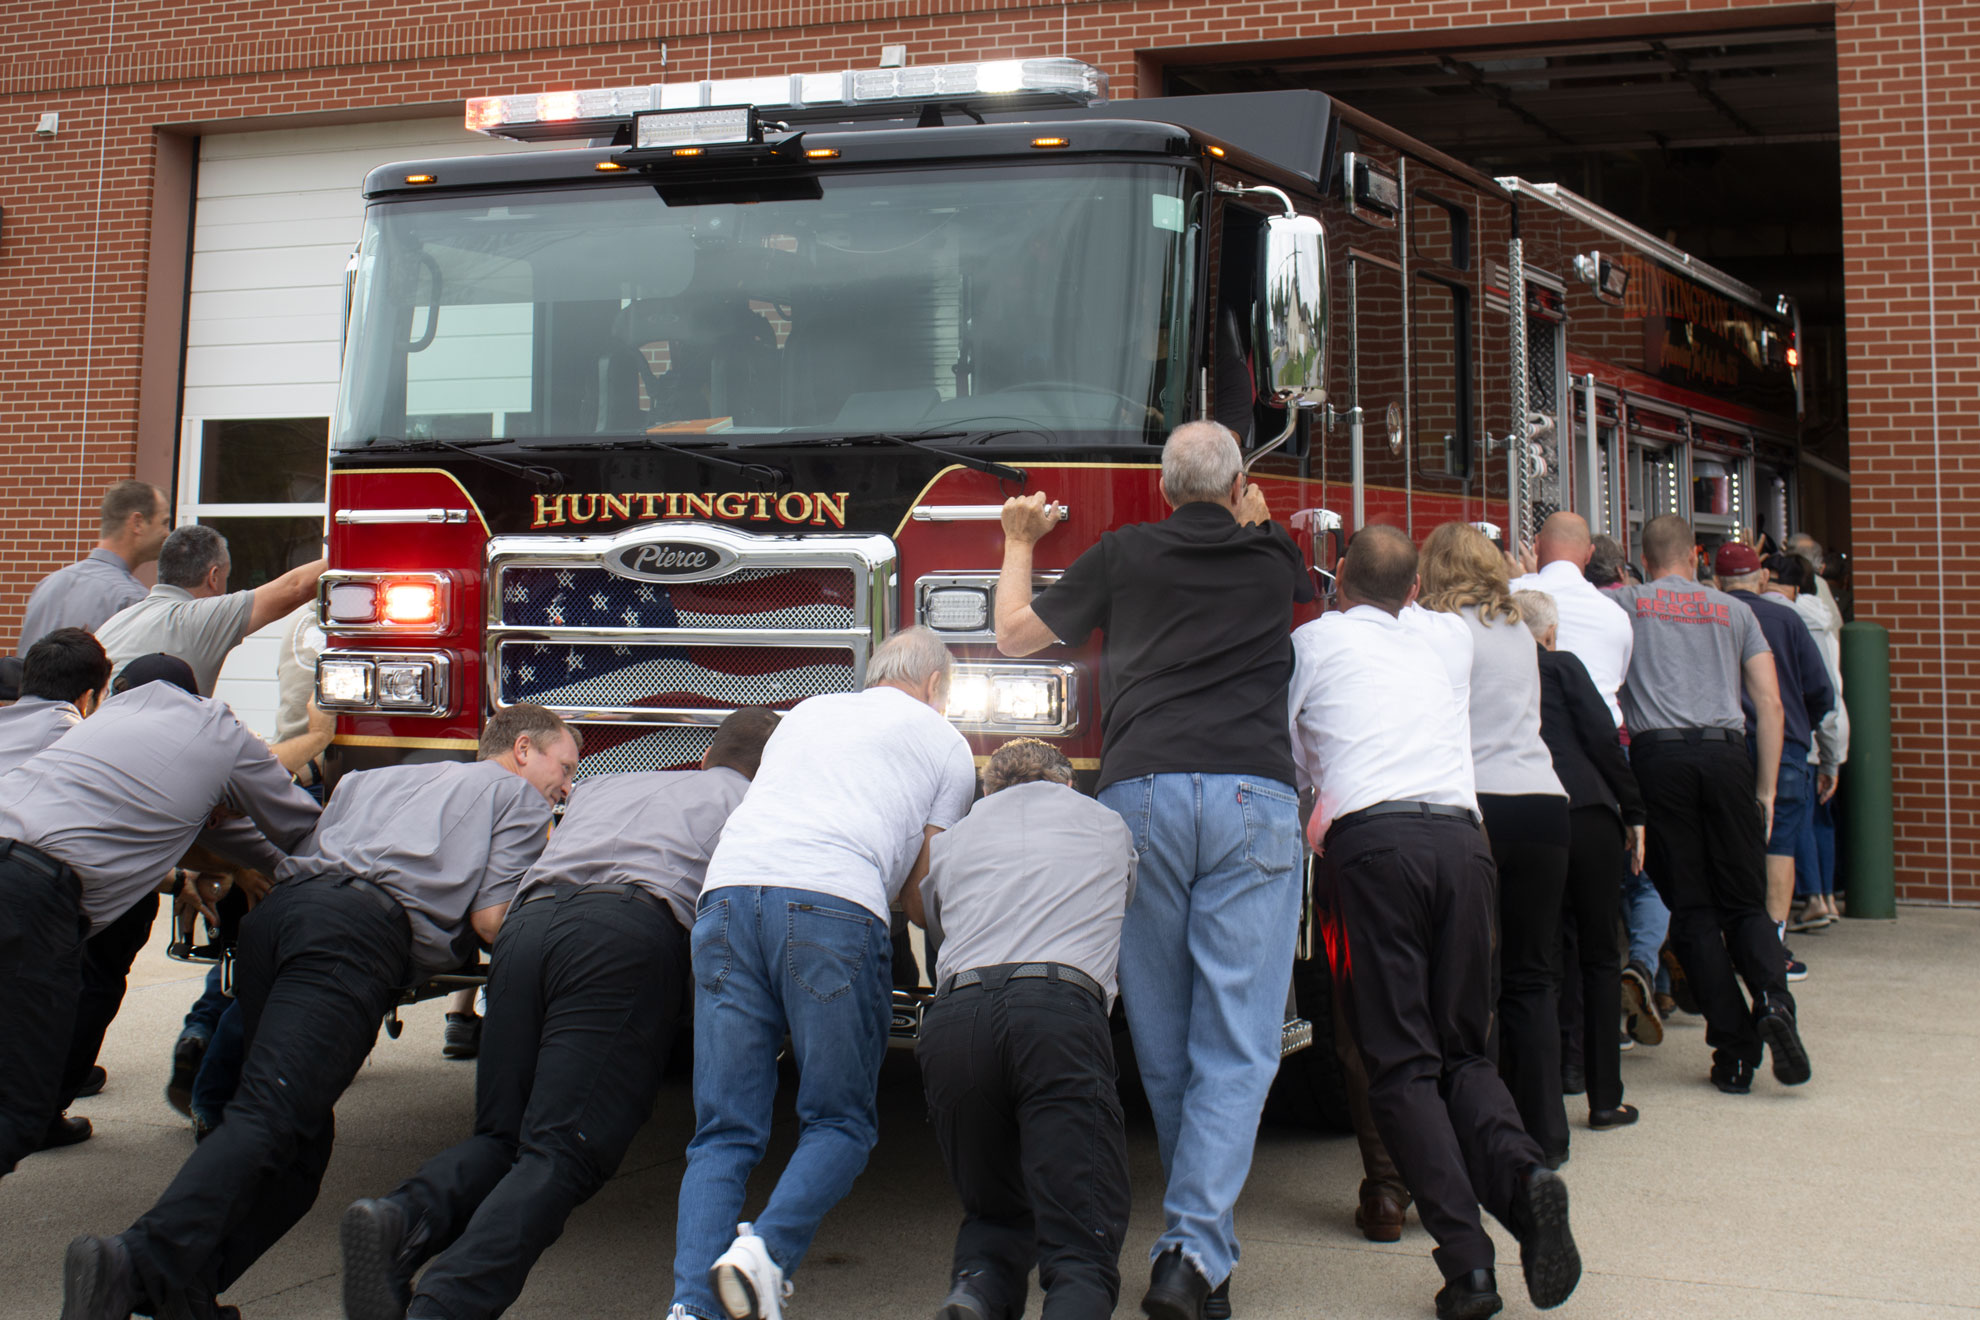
(1038, 305)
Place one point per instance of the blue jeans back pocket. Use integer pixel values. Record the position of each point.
(826, 948)
(1271, 828)
(708, 944)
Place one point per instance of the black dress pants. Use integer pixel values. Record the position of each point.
(1021, 1089)
(1708, 855)
(1417, 904)
(1529, 838)
(106, 970)
(584, 995)
(1597, 862)
(319, 963)
(41, 939)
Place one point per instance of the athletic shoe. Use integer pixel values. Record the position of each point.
(376, 1286)
(1547, 1254)
(97, 1282)
(463, 1038)
(1639, 1002)
(746, 1281)
(1733, 1076)
(1796, 969)
(1775, 1023)
(962, 1304)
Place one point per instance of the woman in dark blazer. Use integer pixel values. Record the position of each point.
(1605, 823)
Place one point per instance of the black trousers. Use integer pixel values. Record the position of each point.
(41, 939)
(1021, 1089)
(1529, 839)
(1597, 862)
(1417, 903)
(318, 964)
(106, 970)
(1707, 853)
(584, 995)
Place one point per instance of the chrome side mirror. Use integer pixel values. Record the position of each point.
(1295, 285)
(1318, 533)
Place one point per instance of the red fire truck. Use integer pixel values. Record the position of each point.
(689, 415)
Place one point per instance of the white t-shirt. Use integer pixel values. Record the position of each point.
(1593, 626)
(848, 782)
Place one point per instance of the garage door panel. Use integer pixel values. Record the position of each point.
(339, 230)
(290, 399)
(271, 268)
(245, 304)
(255, 364)
(220, 331)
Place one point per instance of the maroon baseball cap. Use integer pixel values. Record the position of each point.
(1735, 560)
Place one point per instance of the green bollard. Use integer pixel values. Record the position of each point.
(1869, 851)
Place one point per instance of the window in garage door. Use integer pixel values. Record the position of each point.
(259, 482)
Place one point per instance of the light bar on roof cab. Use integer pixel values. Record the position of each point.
(797, 97)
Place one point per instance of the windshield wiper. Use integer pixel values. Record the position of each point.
(764, 474)
(919, 441)
(543, 478)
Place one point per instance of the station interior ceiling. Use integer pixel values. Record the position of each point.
(1725, 143)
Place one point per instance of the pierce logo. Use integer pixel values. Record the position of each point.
(668, 561)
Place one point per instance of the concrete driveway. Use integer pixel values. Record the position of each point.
(1856, 1196)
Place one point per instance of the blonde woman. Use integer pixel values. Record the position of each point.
(1526, 818)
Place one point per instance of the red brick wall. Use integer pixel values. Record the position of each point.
(73, 257)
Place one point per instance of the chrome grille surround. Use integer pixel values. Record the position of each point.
(674, 670)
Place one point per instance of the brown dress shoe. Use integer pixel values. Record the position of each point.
(1379, 1216)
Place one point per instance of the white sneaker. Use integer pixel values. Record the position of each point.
(746, 1281)
(678, 1312)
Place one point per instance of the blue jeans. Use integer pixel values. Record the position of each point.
(205, 1013)
(219, 1073)
(767, 960)
(1794, 794)
(1818, 876)
(1647, 919)
(1206, 959)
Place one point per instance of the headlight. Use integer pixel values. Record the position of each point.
(396, 682)
(1015, 698)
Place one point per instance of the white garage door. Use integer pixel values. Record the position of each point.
(276, 216)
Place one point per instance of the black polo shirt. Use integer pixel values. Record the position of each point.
(1197, 616)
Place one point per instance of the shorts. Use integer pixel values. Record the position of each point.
(1794, 799)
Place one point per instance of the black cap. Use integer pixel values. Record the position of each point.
(157, 668)
(10, 678)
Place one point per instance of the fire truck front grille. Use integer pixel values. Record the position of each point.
(623, 676)
(611, 749)
(543, 596)
(649, 667)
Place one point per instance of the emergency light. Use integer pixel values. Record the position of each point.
(1038, 84)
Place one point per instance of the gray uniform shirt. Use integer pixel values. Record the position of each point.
(121, 795)
(82, 596)
(654, 829)
(1036, 873)
(1691, 643)
(447, 839)
(200, 631)
(30, 726)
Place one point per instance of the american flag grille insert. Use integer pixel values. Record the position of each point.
(599, 675)
(613, 749)
(590, 597)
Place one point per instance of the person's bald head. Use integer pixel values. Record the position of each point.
(1564, 538)
(1379, 569)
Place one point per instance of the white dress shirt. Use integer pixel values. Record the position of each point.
(1594, 627)
(1374, 716)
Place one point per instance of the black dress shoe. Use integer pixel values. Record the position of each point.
(186, 1057)
(1175, 1290)
(93, 1083)
(97, 1283)
(1217, 1306)
(1574, 1080)
(1603, 1119)
(463, 1036)
(1472, 1296)
(1732, 1075)
(377, 1285)
(65, 1131)
(1775, 1022)
(1547, 1254)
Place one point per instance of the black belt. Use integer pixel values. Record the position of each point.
(1688, 736)
(1038, 971)
(1421, 810)
(640, 892)
(33, 859)
(380, 897)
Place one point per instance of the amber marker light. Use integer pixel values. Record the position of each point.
(419, 178)
(412, 602)
(1215, 151)
(1047, 142)
(687, 151)
(1793, 357)
(608, 167)
(822, 153)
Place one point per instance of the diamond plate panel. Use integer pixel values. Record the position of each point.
(591, 597)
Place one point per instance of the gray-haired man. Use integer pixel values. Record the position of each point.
(791, 935)
(190, 613)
